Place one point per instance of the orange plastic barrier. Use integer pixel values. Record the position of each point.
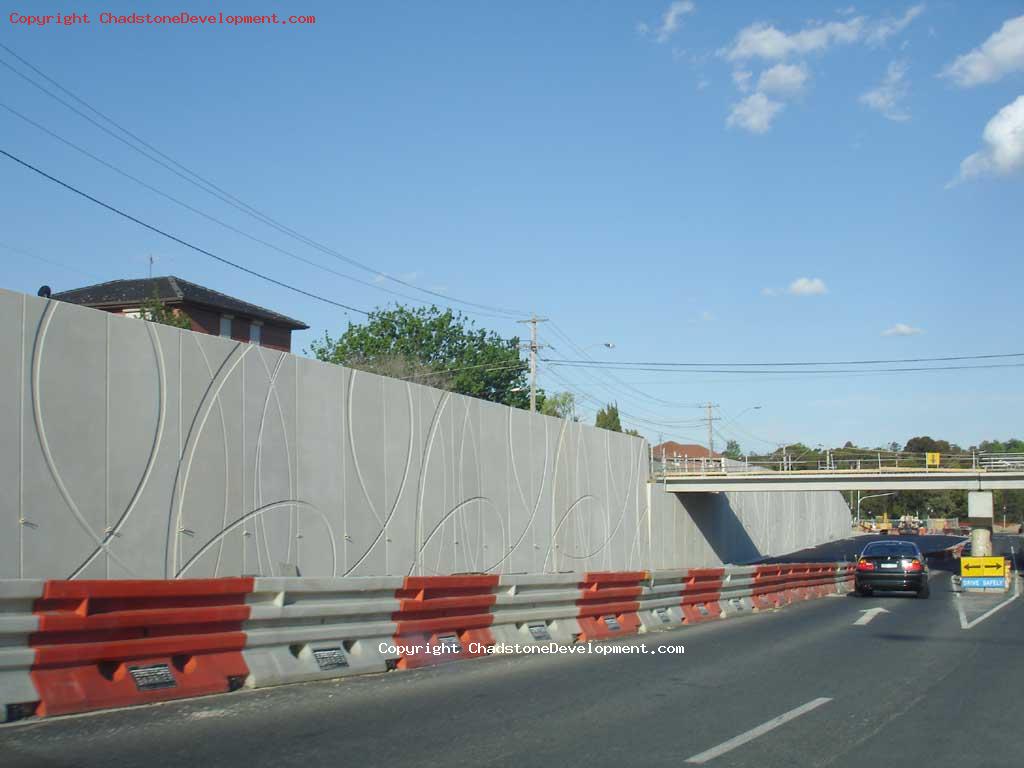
(769, 586)
(116, 643)
(443, 618)
(608, 604)
(701, 595)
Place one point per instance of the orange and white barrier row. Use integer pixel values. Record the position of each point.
(73, 646)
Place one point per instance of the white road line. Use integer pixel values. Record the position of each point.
(869, 614)
(753, 733)
(965, 624)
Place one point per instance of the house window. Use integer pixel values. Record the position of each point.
(255, 332)
(225, 326)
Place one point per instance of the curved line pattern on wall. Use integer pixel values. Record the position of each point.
(115, 529)
(258, 469)
(37, 415)
(428, 448)
(515, 474)
(257, 475)
(362, 484)
(210, 397)
(565, 517)
(289, 503)
(457, 508)
(227, 457)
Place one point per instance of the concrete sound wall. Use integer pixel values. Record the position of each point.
(138, 450)
(713, 529)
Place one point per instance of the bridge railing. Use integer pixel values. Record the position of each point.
(842, 462)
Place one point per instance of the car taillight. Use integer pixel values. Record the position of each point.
(912, 565)
(865, 565)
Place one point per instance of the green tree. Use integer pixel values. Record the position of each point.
(559, 404)
(733, 450)
(632, 432)
(608, 418)
(433, 346)
(156, 311)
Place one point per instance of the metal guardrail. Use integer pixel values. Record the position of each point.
(1001, 461)
(831, 464)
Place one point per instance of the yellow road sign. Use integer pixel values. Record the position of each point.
(932, 459)
(981, 566)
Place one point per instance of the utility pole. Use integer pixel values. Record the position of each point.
(711, 430)
(533, 346)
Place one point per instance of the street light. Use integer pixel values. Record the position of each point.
(605, 344)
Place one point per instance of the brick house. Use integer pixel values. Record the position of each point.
(670, 450)
(209, 311)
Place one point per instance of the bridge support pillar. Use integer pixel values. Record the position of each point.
(980, 511)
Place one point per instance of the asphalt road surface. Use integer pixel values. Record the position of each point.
(848, 549)
(802, 686)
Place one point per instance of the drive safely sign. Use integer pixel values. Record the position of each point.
(982, 582)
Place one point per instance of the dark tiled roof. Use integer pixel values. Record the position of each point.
(171, 290)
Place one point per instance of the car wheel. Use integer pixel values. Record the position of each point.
(865, 591)
(924, 592)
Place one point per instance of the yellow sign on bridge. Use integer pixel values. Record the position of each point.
(932, 459)
(981, 566)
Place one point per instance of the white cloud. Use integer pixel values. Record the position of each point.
(754, 113)
(902, 329)
(1003, 152)
(769, 292)
(783, 79)
(741, 77)
(786, 79)
(887, 96)
(1000, 55)
(764, 41)
(670, 21)
(807, 286)
(886, 28)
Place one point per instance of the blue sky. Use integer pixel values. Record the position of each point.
(693, 181)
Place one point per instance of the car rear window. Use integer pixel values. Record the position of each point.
(891, 548)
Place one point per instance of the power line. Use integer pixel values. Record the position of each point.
(216, 220)
(658, 365)
(567, 365)
(615, 394)
(212, 189)
(601, 403)
(657, 400)
(641, 413)
(51, 262)
(485, 366)
(178, 240)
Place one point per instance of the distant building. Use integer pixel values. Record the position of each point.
(672, 450)
(209, 311)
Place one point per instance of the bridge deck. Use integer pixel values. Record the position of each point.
(883, 479)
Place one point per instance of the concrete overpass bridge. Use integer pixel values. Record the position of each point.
(971, 473)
